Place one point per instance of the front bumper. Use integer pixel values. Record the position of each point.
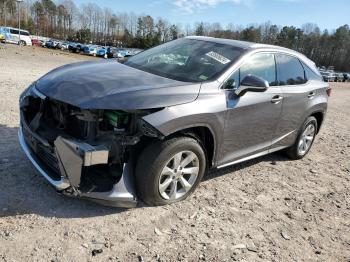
(122, 194)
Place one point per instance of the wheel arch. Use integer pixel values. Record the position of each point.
(319, 115)
(205, 136)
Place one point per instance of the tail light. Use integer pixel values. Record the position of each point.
(329, 91)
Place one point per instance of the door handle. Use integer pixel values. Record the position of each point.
(311, 94)
(276, 99)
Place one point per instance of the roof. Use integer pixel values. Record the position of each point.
(251, 45)
(236, 43)
(9, 27)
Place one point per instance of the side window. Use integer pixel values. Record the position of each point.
(290, 70)
(262, 65)
(24, 33)
(14, 32)
(310, 74)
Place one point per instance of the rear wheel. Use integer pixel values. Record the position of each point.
(22, 43)
(305, 140)
(169, 171)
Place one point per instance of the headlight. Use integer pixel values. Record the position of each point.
(26, 92)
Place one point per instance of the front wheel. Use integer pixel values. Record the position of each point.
(169, 171)
(305, 140)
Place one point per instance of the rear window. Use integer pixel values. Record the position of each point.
(290, 70)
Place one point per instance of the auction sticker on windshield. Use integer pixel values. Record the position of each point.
(223, 60)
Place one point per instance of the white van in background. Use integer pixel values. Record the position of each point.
(12, 36)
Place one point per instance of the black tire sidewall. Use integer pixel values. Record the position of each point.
(159, 154)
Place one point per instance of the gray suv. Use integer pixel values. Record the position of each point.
(149, 129)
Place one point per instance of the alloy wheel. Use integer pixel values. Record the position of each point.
(179, 175)
(306, 139)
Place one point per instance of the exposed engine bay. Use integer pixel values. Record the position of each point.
(88, 147)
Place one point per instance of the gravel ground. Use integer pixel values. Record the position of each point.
(268, 209)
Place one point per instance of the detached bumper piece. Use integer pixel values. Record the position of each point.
(73, 159)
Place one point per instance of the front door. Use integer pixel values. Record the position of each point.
(251, 119)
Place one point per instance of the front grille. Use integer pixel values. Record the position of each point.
(48, 158)
(45, 155)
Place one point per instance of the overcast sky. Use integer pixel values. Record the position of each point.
(327, 14)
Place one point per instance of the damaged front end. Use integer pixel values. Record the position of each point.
(84, 153)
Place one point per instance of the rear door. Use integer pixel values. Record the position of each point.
(297, 94)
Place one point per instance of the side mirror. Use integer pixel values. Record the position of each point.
(252, 83)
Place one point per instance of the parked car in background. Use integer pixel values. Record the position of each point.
(346, 77)
(36, 42)
(338, 77)
(123, 59)
(80, 47)
(149, 129)
(113, 52)
(74, 48)
(51, 43)
(16, 36)
(2, 38)
(63, 45)
(58, 44)
(91, 50)
(134, 51)
(122, 53)
(327, 76)
(106, 52)
(102, 51)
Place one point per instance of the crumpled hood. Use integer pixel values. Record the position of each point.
(111, 85)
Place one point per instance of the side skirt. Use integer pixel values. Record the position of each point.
(266, 152)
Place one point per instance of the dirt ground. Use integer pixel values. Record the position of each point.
(268, 209)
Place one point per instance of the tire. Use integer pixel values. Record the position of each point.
(22, 43)
(157, 157)
(298, 151)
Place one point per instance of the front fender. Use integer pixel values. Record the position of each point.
(207, 111)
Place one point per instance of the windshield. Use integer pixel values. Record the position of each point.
(187, 60)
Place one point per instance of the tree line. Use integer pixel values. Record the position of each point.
(89, 23)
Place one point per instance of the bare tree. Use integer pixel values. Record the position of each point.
(64, 20)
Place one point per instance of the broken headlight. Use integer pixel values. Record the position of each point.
(26, 92)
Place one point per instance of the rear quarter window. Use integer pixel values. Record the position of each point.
(290, 70)
(310, 74)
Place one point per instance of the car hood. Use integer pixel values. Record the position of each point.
(111, 85)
